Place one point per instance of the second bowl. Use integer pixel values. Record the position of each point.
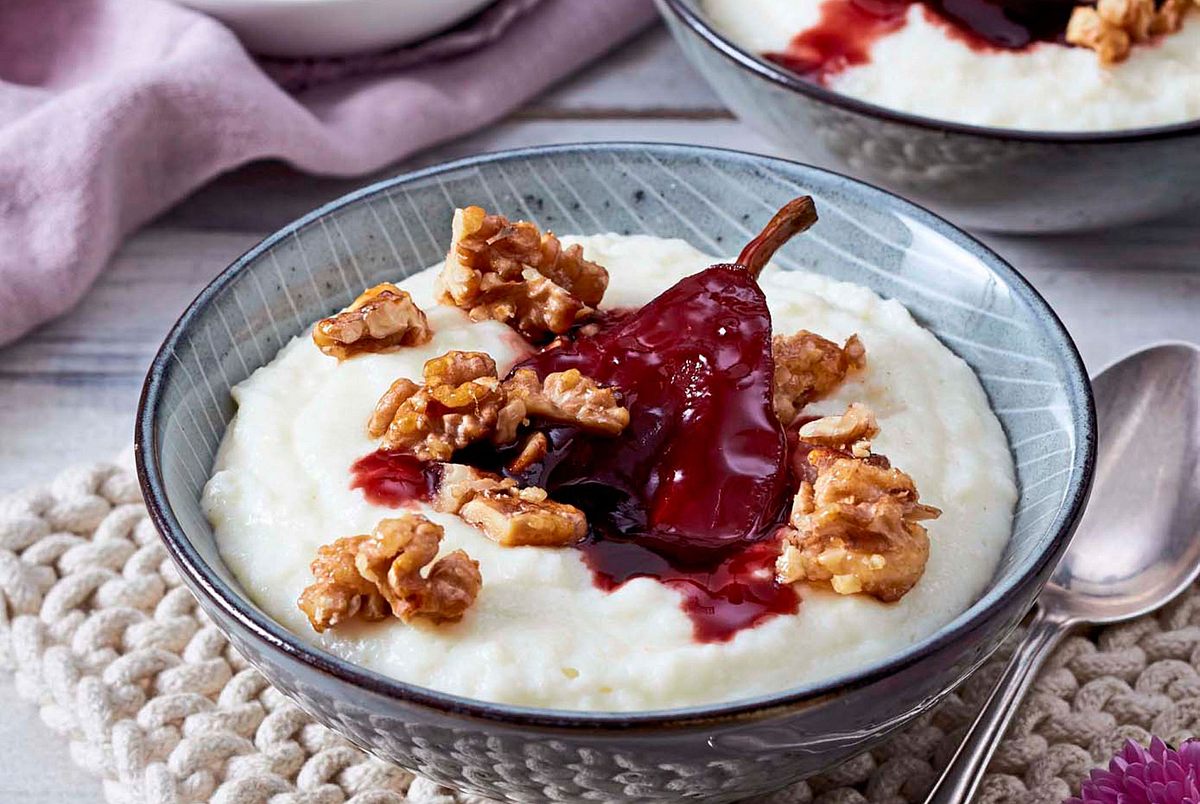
(991, 179)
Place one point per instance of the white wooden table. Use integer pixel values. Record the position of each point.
(68, 390)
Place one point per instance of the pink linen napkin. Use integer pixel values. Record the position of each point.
(112, 110)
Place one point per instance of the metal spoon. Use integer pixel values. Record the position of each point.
(1137, 546)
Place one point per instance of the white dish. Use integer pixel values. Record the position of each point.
(297, 28)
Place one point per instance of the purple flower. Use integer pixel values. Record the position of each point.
(1137, 775)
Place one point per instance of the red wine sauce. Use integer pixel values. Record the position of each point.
(842, 38)
(394, 479)
(847, 29)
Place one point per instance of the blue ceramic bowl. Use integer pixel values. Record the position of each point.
(983, 178)
(978, 305)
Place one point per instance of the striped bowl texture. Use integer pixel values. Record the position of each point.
(974, 302)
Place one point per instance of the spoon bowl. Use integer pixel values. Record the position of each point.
(1137, 545)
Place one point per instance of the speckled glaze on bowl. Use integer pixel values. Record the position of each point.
(983, 178)
(978, 305)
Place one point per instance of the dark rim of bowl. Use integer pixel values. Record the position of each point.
(694, 20)
(233, 603)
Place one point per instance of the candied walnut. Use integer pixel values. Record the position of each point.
(1170, 16)
(517, 517)
(377, 575)
(508, 421)
(509, 515)
(532, 452)
(1112, 27)
(385, 409)
(809, 367)
(459, 404)
(857, 525)
(568, 397)
(851, 431)
(514, 273)
(1135, 17)
(1087, 28)
(338, 593)
(462, 401)
(569, 269)
(392, 560)
(456, 368)
(382, 319)
(460, 483)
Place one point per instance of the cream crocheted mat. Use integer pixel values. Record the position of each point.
(102, 637)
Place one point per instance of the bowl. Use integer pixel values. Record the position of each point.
(300, 28)
(971, 299)
(993, 179)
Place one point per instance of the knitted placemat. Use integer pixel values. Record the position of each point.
(102, 636)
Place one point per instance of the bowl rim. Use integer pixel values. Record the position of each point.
(204, 581)
(695, 20)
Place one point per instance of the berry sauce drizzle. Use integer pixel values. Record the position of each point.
(394, 479)
(847, 29)
(695, 489)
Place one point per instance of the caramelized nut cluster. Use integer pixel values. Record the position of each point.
(463, 401)
(509, 515)
(382, 319)
(513, 273)
(568, 397)
(373, 576)
(856, 520)
(459, 404)
(852, 431)
(1113, 27)
(809, 367)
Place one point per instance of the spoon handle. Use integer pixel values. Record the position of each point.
(962, 776)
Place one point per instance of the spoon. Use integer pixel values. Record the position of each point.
(1137, 546)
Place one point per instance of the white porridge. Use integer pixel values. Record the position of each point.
(541, 633)
(923, 69)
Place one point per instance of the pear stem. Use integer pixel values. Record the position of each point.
(794, 217)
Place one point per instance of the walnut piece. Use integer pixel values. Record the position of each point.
(532, 452)
(392, 559)
(1088, 29)
(1169, 18)
(512, 516)
(456, 368)
(462, 401)
(857, 525)
(524, 517)
(459, 404)
(382, 319)
(338, 593)
(508, 421)
(373, 576)
(809, 367)
(512, 272)
(1112, 27)
(851, 431)
(568, 397)
(396, 395)
(460, 483)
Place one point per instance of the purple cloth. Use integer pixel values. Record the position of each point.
(113, 110)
